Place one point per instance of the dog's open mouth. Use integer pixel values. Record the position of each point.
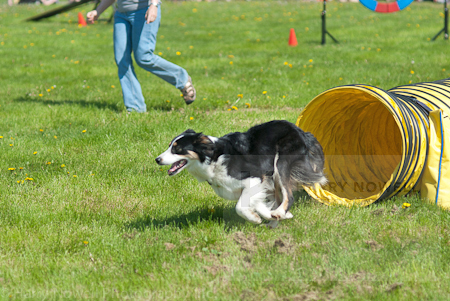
(177, 167)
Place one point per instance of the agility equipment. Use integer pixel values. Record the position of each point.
(60, 9)
(324, 26)
(292, 38)
(389, 7)
(81, 20)
(67, 7)
(445, 29)
(379, 144)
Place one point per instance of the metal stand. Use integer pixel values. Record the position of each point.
(445, 29)
(324, 27)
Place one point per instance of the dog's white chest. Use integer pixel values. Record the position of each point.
(216, 175)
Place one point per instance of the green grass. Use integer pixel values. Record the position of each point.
(123, 230)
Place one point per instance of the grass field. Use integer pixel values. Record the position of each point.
(100, 220)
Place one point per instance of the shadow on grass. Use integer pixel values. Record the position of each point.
(80, 102)
(224, 215)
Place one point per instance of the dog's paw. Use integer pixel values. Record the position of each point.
(279, 214)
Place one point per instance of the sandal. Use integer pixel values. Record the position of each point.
(189, 92)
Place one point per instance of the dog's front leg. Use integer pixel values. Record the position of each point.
(244, 210)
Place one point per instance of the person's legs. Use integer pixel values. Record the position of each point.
(144, 41)
(131, 89)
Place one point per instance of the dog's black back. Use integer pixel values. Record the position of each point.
(252, 153)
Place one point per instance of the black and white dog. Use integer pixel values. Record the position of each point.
(260, 168)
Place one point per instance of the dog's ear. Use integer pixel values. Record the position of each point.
(205, 144)
(189, 131)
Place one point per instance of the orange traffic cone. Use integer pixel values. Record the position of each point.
(81, 20)
(292, 38)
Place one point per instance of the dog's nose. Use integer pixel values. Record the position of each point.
(158, 160)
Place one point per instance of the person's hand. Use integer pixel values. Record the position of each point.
(91, 16)
(151, 14)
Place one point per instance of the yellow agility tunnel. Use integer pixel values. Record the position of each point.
(379, 144)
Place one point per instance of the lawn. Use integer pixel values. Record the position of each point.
(86, 213)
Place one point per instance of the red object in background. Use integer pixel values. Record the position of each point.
(292, 38)
(81, 20)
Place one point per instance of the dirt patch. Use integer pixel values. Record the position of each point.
(379, 211)
(394, 209)
(394, 287)
(169, 246)
(247, 243)
(216, 269)
(283, 246)
(374, 245)
(303, 297)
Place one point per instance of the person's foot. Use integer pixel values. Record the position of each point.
(189, 92)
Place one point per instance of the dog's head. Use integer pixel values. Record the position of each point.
(187, 147)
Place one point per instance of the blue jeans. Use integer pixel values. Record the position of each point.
(132, 34)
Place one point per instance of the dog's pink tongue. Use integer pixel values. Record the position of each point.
(172, 169)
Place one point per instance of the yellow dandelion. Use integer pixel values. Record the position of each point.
(41, 94)
(41, 130)
(194, 10)
(11, 145)
(74, 176)
(167, 101)
(443, 70)
(85, 242)
(181, 94)
(286, 63)
(191, 47)
(264, 92)
(231, 62)
(21, 168)
(191, 118)
(310, 60)
(34, 153)
(240, 95)
(112, 86)
(63, 165)
(231, 56)
(56, 137)
(48, 163)
(234, 108)
(412, 71)
(160, 53)
(92, 174)
(18, 182)
(228, 109)
(248, 105)
(48, 90)
(83, 131)
(340, 78)
(378, 49)
(406, 205)
(1, 137)
(290, 65)
(178, 53)
(29, 179)
(11, 169)
(53, 55)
